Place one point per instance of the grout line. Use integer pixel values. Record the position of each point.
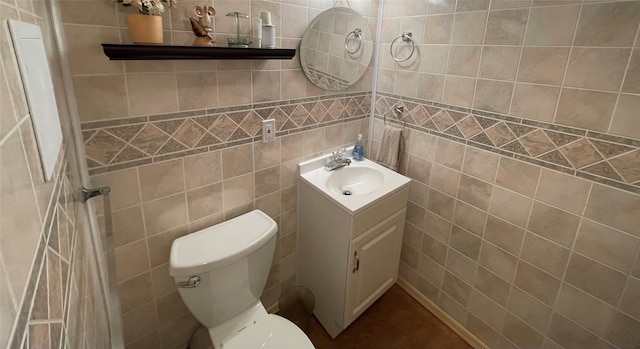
(10, 99)
(524, 40)
(31, 171)
(175, 81)
(572, 252)
(624, 77)
(448, 243)
(482, 46)
(72, 261)
(448, 45)
(253, 177)
(12, 298)
(625, 287)
(146, 243)
(524, 238)
(125, 74)
(566, 68)
(16, 128)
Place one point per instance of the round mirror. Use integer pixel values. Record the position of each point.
(336, 48)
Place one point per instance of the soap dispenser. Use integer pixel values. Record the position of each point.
(358, 149)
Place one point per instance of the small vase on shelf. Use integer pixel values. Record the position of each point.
(145, 29)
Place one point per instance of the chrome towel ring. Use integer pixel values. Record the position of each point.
(397, 110)
(406, 37)
(357, 33)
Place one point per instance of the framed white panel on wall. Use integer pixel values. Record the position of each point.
(36, 77)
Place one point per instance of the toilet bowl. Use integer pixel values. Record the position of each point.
(221, 271)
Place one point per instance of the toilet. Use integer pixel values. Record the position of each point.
(221, 271)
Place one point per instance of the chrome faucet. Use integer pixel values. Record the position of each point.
(338, 159)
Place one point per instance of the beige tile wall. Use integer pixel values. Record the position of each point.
(117, 89)
(519, 254)
(154, 204)
(497, 71)
(50, 295)
(565, 62)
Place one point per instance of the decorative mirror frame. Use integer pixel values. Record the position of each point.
(336, 49)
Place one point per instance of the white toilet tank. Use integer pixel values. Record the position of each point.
(232, 261)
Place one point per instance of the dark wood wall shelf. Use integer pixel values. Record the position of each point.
(119, 52)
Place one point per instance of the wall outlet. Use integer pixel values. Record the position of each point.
(268, 130)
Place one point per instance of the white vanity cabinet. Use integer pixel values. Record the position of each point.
(375, 256)
(347, 259)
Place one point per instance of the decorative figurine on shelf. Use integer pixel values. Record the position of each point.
(203, 26)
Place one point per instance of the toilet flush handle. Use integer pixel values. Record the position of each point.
(191, 283)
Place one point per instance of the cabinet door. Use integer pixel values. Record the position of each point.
(375, 256)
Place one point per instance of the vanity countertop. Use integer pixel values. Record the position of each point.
(312, 172)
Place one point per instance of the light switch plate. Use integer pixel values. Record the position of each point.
(36, 77)
(268, 130)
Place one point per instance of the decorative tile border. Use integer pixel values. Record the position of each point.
(598, 157)
(326, 81)
(129, 142)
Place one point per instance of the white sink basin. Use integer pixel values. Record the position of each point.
(353, 187)
(356, 180)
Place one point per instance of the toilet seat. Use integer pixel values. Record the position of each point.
(272, 331)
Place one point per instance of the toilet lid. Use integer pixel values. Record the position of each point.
(271, 332)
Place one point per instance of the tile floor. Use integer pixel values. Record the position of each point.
(396, 320)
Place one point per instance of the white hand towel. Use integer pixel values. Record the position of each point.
(390, 148)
